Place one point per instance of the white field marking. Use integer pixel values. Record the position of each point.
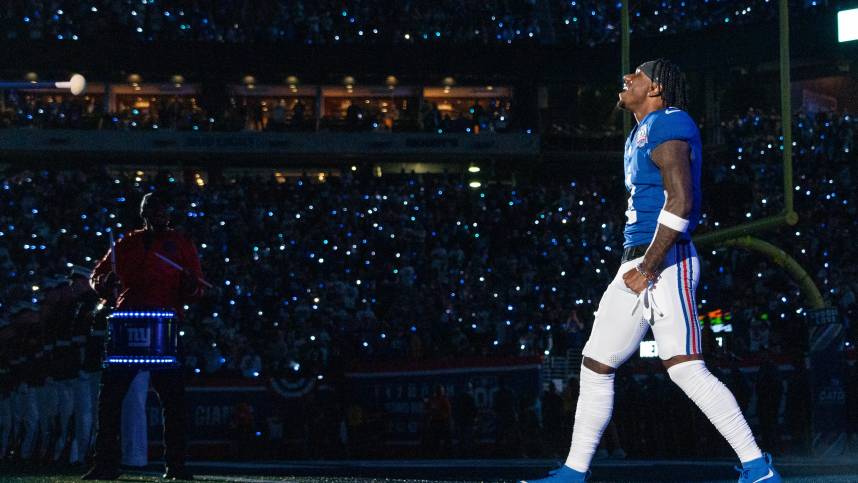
(239, 479)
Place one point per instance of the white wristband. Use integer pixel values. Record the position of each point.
(672, 221)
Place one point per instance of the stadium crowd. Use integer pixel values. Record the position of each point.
(582, 22)
(319, 273)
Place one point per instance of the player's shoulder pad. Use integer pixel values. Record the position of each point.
(673, 116)
(672, 124)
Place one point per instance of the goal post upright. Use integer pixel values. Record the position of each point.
(741, 235)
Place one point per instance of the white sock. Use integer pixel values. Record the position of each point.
(595, 405)
(718, 404)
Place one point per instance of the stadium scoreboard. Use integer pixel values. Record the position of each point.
(847, 25)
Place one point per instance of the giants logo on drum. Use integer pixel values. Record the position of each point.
(138, 336)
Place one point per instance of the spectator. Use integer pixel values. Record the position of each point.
(438, 419)
(465, 420)
(552, 421)
(506, 417)
(769, 391)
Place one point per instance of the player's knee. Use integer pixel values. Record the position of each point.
(684, 373)
(675, 360)
(597, 366)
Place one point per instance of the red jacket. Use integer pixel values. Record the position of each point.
(147, 281)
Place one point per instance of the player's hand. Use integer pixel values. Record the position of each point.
(635, 281)
(108, 283)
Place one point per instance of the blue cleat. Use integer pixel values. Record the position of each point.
(759, 470)
(564, 474)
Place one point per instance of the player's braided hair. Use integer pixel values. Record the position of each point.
(674, 89)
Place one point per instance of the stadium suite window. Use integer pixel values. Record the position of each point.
(371, 112)
(458, 108)
(152, 104)
(274, 112)
(338, 107)
(165, 111)
(49, 98)
(53, 102)
(472, 114)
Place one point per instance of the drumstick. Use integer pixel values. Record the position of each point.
(180, 268)
(113, 262)
(112, 251)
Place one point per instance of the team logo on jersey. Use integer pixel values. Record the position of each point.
(642, 136)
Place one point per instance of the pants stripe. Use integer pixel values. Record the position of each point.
(693, 305)
(684, 295)
(679, 283)
(688, 300)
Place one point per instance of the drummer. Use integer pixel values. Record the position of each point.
(155, 267)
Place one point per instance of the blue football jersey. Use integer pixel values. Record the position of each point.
(643, 178)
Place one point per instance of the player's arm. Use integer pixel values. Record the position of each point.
(674, 160)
